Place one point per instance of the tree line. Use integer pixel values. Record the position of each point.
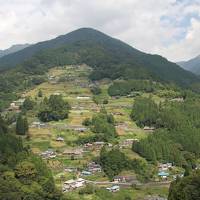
(177, 136)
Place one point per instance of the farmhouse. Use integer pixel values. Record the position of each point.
(80, 129)
(51, 77)
(60, 139)
(127, 143)
(86, 173)
(19, 102)
(70, 169)
(165, 166)
(13, 107)
(118, 113)
(73, 153)
(148, 129)
(178, 99)
(163, 174)
(48, 154)
(114, 188)
(56, 93)
(124, 179)
(94, 167)
(83, 97)
(88, 145)
(98, 145)
(178, 175)
(38, 125)
(73, 184)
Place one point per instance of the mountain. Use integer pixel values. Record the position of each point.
(192, 65)
(13, 49)
(109, 57)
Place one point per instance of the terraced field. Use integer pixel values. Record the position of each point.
(72, 83)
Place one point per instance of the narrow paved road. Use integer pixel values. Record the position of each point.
(166, 183)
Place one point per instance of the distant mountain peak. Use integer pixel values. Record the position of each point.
(192, 65)
(110, 58)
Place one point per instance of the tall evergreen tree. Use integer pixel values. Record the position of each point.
(21, 125)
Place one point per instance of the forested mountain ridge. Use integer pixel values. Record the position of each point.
(13, 49)
(192, 65)
(110, 58)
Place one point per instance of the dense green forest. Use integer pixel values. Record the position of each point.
(53, 108)
(186, 188)
(122, 88)
(14, 81)
(145, 112)
(177, 136)
(114, 161)
(22, 174)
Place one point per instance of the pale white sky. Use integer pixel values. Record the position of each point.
(167, 27)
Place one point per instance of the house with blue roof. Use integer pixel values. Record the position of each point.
(163, 174)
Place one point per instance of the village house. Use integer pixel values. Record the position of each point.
(38, 125)
(80, 129)
(88, 146)
(94, 167)
(13, 107)
(95, 146)
(19, 102)
(73, 184)
(124, 179)
(56, 93)
(118, 113)
(83, 97)
(75, 128)
(127, 143)
(60, 139)
(178, 175)
(163, 175)
(48, 154)
(73, 153)
(70, 169)
(148, 129)
(51, 77)
(165, 166)
(122, 127)
(86, 173)
(99, 144)
(109, 145)
(197, 167)
(114, 188)
(178, 99)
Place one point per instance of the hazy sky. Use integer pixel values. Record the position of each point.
(167, 27)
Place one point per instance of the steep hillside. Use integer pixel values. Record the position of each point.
(13, 49)
(192, 65)
(110, 58)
